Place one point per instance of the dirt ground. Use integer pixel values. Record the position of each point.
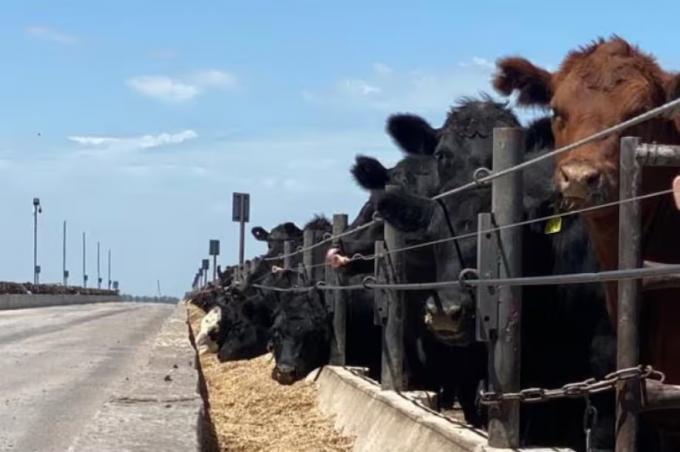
(252, 412)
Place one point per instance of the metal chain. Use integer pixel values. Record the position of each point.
(573, 390)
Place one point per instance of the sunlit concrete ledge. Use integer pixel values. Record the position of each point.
(23, 301)
(384, 420)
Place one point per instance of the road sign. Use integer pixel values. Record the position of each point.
(214, 248)
(241, 208)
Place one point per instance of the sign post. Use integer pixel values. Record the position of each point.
(205, 265)
(214, 252)
(241, 214)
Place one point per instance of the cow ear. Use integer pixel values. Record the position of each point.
(412, 134)
(406, 212)
(672, 93)
(531, 82)
(369, 173)
(260, 233)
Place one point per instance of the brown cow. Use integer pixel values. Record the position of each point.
(598, 86)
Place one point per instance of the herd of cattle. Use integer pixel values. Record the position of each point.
(568, 332)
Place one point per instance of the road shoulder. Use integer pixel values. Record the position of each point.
(159, 407)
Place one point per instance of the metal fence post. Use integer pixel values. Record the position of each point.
(504, 359)
(337, 301)
(630, 256)
(393, 372)
(287, 249)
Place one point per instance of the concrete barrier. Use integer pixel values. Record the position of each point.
(384, 420)
(22, 301)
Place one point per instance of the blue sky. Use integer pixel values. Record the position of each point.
(135, 121)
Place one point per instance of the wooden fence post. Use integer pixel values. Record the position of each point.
(393, 371)
(505, 345)
(336, 301)
(630, 256)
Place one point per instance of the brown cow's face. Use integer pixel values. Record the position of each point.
(596, 87)
(591, 93)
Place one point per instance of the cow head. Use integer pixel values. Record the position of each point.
(244, 328)
(596, 87)
(415, 173)
(449, 313)
(300, 337)
(462, 144)
(206, 340)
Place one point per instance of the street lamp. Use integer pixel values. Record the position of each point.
(63, 262)
(37, 208)
(99, 276)
(84, 266)
(109, 269)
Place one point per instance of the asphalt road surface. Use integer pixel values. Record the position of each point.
(58, 366)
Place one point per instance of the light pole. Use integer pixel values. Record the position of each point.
(63, 259)
(99, 276)
(37, 208)
(109, 268)
(84, 262)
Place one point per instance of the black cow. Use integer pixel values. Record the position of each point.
(303, 328)
(248, 314)
(560, 324)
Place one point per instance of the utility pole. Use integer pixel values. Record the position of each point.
(109, 268)
(64, 272)
(37, 208)
(84, 264)
(158, 283)
(99, 276)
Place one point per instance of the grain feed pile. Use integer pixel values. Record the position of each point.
(252, 412)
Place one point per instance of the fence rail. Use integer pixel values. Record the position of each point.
(389, 280)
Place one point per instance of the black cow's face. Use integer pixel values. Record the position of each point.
(245, 341)
(300, 338)
(459, 156)
(449, 313)
(244, 329)
(417, 174)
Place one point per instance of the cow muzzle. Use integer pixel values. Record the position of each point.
(579, 182)
(284, 374)
(447, 323)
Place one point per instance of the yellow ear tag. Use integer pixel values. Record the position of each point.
(553, 226)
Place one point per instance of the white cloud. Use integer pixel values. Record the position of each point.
(181, 89)
(359, 87)
(478, 62)
(50, 34)
(163, 88)
(109, 143)
(420, 91)
(214, 78)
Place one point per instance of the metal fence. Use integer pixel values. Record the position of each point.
(498, 283)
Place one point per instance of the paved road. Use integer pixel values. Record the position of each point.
(59, 365)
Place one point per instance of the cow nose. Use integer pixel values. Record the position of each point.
(576, 180)
(284, 374)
